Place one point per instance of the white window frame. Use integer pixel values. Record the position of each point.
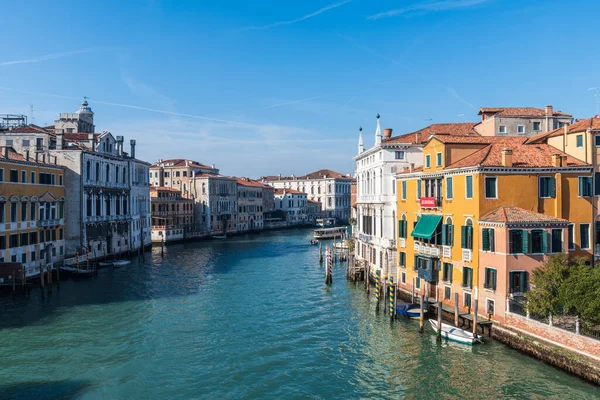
(465, 293)
(533, 126)
(589, 236)
(501, 128)
(540, 186)
(484, 186)
(403, 278)
(397, 153)
(487, 310)
(582, 141)
(519, 127)
(444, 294)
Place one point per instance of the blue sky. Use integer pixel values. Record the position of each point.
(269, 87)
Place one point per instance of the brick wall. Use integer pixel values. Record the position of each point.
(581, 343)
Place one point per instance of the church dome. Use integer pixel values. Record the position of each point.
(85, 108)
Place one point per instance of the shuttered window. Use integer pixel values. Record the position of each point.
(584, 238)
(402, 260)
(447, 235)
(490, 279)
(539, 241)
(449, 189)
(469, 187)
(402, 228)
(447, 272)
(515, 240)
(585, 186)
(419, 185)
(403, 190)
(488, 242)
(466, 237)
(557, 245)
(547, 187)
(518, 281)
(491, 190)
(467, 281)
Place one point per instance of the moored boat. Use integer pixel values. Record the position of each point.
(411, 310)
(121, 263)
(330, 233)
(456, 334)
(105, 263)
(219, 236)
(75, 270)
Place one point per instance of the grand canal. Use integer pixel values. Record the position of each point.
(250, 318)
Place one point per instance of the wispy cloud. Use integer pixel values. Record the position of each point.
(303, 18)
(47, 57)
(146, 91)
(459, 98)
(296, 101)
(427, 7)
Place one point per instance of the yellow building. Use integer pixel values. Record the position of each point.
(464, 178)
(32, 196)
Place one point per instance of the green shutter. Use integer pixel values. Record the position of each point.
(485, 236)
(552, 187)
(492, 239)
(544, 241)
(463, 237)
(494, 279)
(444, 234)
(450, 267)
(449, 193)
(470, 237)
(450, 235)
(524, 281)
(419, 189)
(580, 187)
(525, 239)
(399, 229)
(403, 190)
(469, 184)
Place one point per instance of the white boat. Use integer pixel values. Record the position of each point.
(456, 334)
(121, 263)
(330, 233)
(219, 236)
(105, 263)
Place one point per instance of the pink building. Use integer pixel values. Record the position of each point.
(514, 242)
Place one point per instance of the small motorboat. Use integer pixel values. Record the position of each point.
(219, 236)
(314, 242)
(75, 270)
(105, 263)
(121, 263)
(411, 310)
(456, 334)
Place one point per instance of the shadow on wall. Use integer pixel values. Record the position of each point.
(66, 389)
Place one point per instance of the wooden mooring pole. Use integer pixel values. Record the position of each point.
(456, 309)
(475, 318)
(422, 316)
(439, 321)
(42, 281)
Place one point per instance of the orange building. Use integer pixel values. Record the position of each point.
(444, 206)
(172, 215)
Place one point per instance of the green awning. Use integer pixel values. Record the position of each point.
(426, 226)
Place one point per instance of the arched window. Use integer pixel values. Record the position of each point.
(124, 176)
(467, 234)
(97, 171)
(88, 170)
(107, 172)
(117, 174)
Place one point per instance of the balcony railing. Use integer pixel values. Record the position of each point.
(467, 255)
(402, 242)
(427, 249)
(48, 222)
(446, 251)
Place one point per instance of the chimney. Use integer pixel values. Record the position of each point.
(556, 160)
(59, 139)
(566, 128)
(132, 147)
(26, 155)
(161, 176)
(213, 166)
(507, 158)
(94, 144)
(120, 146)
(279, 176)
(411, 167)
(563, 160)
(387, 133)
(549, 111)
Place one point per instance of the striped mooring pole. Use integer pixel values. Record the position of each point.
(391, 289)
(328, 277)
(377, 285)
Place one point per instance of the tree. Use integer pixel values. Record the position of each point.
(546, 281)
(580, 292)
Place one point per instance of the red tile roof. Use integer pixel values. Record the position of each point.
(164, 188)
(12, 154)
(512, 214)
(450, 129)
(78, 136)
(179, 162)
(31, 128)
(287, 191)
(251, 183)
(408, 171)
(579, 126)
(523, 155)
(313, 175)
(519, 112)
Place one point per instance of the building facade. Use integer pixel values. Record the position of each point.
(250, 204)
(376, 204)
(178, 173)
(330, 188)
(521, 121)
(172, 214)
(32, 212)
(294, 204)
(215, 203)
(314, 211)
(467, 180)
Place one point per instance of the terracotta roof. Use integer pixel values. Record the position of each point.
(523, 155)
(420, 136)
(179, 162)
(287, 191)
(31, 128)
(512, 214)
(78, 136)
(164, 188)
(408, 171)
(12, 154)
(313, 175)
(314, 201)
(579, 126)
(467, 139)
(251, 183)
(519, 112)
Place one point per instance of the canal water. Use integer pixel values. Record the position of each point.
(244, 318)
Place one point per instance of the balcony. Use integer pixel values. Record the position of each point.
(430, 250)
(446, 251)
(364, 238)
(402, 242)
(430, 274)
(48, 222)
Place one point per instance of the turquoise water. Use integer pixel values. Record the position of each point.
(246, 318)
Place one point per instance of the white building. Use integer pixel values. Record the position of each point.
(329, 188)
(215, 210)
(376, 206)
(294, 204)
